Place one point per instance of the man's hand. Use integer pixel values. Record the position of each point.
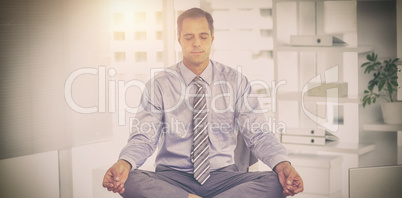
(290, 180)
(116, 176)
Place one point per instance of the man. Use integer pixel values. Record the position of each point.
(194, 111)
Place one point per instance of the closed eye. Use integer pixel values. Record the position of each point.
(188, 36)
(204, 35)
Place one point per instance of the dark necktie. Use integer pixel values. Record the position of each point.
(200, 150)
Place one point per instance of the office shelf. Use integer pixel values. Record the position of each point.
(335, 147)
(298, 96)
(335, 48)
(380, 126)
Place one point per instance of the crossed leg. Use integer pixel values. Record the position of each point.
(225, 182)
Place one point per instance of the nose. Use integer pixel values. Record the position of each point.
(197, 43)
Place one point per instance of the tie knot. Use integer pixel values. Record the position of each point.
(198, 81)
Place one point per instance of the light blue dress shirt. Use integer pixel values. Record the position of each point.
(164, 122)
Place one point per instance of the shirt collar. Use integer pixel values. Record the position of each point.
(188, 75)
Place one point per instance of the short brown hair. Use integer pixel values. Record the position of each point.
(194, 13)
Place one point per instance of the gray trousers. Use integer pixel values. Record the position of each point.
(225, 182)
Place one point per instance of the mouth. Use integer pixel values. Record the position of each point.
(197, 52)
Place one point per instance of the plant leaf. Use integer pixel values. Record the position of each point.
(390, 88)
(365, 97)
(367, 70)
(393, 73)
(371, 86)
(394, 83)
(365, 64)
(369, 57)
(381, 85)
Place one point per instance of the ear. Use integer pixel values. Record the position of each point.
(178, 39)
(212, 38)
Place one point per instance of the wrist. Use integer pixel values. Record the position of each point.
(279, 167)
(125, 163)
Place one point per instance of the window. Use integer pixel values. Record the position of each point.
(140, 36)
(159, 56)
(158, 17)
(140, 56)
(139, 17)
(158, 35)
(119, 36)
(118, 18)
(119, 56)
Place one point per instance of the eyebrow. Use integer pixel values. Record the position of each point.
(188, 34)
(205, 33)
(202, 33)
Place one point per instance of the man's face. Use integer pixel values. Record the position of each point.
(195, 40)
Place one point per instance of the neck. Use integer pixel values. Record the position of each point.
(197, 69)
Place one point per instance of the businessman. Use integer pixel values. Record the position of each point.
(193, 112)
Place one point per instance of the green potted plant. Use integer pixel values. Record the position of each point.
(383, 86)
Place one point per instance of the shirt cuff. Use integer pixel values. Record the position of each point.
(278, 159)
(130, 161)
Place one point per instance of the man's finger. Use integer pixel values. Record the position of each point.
(108, 178)
(118, 188)
(290, 178)
(300, 187)
(282, 179)
(288, 193)
(107, 184)
(122, 191)
(290, 187)
(298, 190)
(109, 173)
(121, 186)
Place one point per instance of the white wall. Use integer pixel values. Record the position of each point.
(399, 27)
(33, 176)
(399, 55)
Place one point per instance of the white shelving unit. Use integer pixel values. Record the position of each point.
(316, 99)
(380, 126)
(300, 65)
(335, 48)
(334, 147)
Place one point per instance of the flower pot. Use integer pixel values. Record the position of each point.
(392, 112)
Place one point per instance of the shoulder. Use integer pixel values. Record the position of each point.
(163, 75)
(224, 72)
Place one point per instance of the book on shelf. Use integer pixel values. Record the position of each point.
(309, 139)
(315, 40)
(305, 131)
